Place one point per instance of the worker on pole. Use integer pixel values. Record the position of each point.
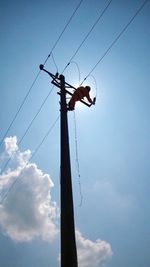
(78, 95)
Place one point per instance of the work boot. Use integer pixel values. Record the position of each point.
(70, 108)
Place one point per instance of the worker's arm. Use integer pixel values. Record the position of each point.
(88, 98)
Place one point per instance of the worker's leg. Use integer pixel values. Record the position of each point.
(73, 100)
(71, 103)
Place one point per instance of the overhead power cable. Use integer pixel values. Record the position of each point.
(4, 196)
(29, 126)
(117, 38)
(20, 107)
(74, 12)
(89, 32)
(35, 79)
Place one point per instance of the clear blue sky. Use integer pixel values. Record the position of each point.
(113, 136)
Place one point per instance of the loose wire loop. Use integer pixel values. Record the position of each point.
(77, 161)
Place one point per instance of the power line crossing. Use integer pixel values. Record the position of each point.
(89, 74)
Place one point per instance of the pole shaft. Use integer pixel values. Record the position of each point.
(68, 242)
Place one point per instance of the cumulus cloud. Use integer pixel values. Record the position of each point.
(11, 145)
(92, 253)
(28, 211)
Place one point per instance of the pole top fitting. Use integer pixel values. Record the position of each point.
(41, 66)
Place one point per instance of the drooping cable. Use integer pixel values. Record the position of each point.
(79, 73)
(95, 84)
(77, 161)
(89, 32)
(4, 196)
(117, 38)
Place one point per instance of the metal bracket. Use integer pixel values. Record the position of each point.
(55, 81)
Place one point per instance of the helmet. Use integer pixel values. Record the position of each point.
(88, 88)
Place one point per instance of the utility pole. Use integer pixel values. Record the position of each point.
(68, 241)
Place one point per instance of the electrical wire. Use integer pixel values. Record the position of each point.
(71, 17)
(29, 126)
(117, 38)
(109, 48)
(35, 79)
(54, 62)
(45, 137)
(79, 73)
(89, 32)
(20, 107)
(95, 84)
(77, 161)
(4, 196)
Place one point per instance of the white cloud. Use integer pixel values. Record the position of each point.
(92, 253)
(11, 145)
(28, 211)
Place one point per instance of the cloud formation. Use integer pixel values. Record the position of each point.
(11, 145)
(28, 211)
(92, 253)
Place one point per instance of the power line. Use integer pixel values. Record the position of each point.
(54, 62)
(89, 32)
(45, 137)
(29, 126)
(33, 155)
(34, 81)
(117, 38)
(20, 107)
(74, 12)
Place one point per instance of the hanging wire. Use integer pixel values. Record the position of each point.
(89, 32)
(117, 38)
(4, 196)
(79, 74)
(77, 161)
(94, 83)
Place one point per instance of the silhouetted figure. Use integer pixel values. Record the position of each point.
(78, 95)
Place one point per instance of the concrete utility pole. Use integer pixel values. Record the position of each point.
(68, 241)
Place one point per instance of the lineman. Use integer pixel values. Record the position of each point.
(78, 95)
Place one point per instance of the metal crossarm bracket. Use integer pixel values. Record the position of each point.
(56, 82)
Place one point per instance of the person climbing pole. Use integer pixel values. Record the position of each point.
(78, 95)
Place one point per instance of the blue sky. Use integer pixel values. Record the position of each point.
(113, 136)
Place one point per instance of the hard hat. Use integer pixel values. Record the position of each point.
(88, 88)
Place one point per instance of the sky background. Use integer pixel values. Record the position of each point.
(113, 137)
